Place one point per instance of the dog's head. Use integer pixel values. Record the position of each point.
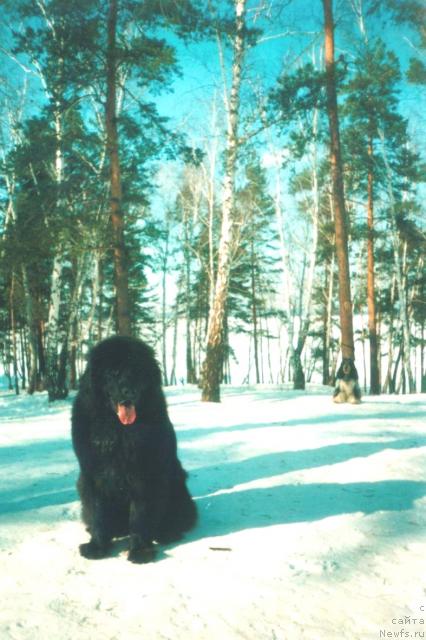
(124, 374)
(123, 388)
(347, 370)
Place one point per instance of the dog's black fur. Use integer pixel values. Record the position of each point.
(131, 480)
(347, 387)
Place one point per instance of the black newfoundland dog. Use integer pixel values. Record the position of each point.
(347, 387)
(131, 481)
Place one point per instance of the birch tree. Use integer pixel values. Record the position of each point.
(212, 366)
(312, 204)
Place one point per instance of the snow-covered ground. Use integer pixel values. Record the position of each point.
(312, 525)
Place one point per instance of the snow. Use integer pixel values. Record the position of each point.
(312, 525)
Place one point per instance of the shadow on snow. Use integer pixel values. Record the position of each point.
(227, 510)
(286, 504)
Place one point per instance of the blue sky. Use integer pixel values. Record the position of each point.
(286, 42)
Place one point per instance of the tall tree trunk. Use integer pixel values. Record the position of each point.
(213, 363)
(121, 275)
(340, 214)
(55, 340)
(299, 380)
(54, 382)
(371, 294)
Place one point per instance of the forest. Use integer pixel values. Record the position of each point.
(238, 182)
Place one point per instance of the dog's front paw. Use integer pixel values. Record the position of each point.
(93, 551)
(141, 552)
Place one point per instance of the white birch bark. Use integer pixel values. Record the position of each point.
(212, 367)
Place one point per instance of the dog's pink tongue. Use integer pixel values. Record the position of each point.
(126, 415)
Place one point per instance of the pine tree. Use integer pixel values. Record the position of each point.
(371, 108)
(370, 105)
(339, 205)
(253, 271)
(65, 42)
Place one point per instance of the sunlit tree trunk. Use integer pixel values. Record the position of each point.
(371, 294)
(340, 214)
(121, 276)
